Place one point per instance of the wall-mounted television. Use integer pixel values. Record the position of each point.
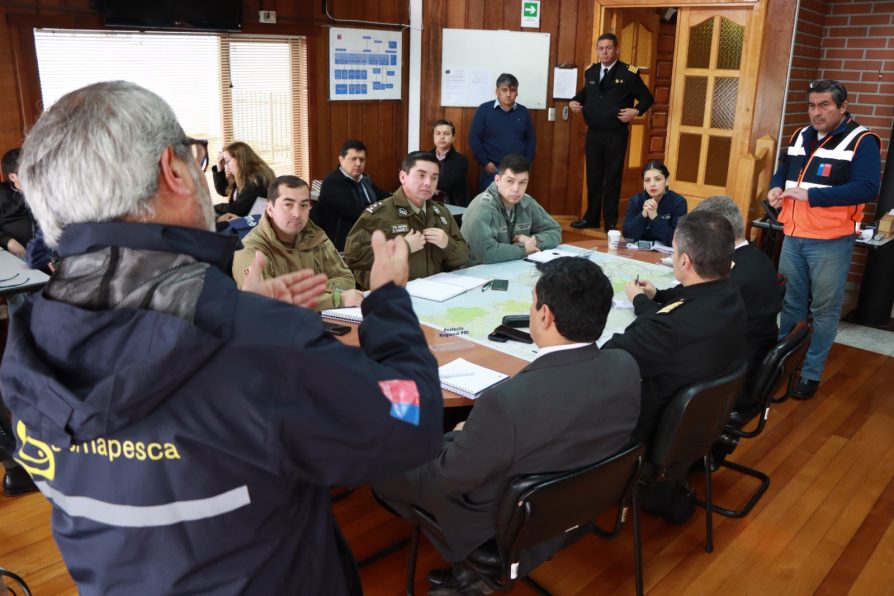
(186, 15)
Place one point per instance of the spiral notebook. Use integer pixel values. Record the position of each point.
(350, 315)
(468, 379)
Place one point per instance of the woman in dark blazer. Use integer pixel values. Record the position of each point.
(242, 176)
(653, 213)
(452, 187)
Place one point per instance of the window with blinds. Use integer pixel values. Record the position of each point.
(222, 87)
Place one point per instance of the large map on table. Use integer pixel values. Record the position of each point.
(474, 314)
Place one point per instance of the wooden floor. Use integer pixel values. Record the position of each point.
(826, 526)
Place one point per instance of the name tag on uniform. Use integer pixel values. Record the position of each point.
(400, 229)
(525, 227)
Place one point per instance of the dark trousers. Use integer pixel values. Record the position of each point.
(605, 153)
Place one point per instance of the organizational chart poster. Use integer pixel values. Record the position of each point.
(364, 64)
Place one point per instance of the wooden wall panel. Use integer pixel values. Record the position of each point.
(557, 175)
(383, 123)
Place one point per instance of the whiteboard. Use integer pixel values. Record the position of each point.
(472, 59)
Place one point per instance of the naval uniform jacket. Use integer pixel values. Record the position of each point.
(603, 100)
(685, 335)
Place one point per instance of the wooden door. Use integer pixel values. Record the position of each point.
(712, 100)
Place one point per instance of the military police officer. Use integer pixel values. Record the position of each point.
(435, 241)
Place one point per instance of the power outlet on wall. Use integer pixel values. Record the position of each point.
(267, 16)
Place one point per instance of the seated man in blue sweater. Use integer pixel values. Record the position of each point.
(501, 127)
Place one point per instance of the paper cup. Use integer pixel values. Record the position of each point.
(614, 239)
(866, 233)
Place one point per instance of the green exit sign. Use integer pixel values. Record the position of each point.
(530, 13)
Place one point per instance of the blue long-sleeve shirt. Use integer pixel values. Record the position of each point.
(495, 133)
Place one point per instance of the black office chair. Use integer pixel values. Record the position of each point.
(690, 424)
(9, 581)
(540, 508)
(779, 368)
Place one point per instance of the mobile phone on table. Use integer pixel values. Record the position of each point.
(500, 285)
(336, 329)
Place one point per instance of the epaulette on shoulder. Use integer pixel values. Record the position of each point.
(632, 68)
(374, 207)
(672, 306)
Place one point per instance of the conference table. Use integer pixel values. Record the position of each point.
(446, 346)
(16, 276)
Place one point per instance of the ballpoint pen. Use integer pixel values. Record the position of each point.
(487, 285)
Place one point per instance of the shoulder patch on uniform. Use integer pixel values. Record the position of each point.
(402, 212)
(671, 306)
(443, 220)
(487, 199)
(374, 207)
(632, 68)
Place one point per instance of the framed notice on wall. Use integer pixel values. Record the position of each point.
(364, 64)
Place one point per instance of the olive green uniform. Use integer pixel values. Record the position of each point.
(396, 217)
(311, 250)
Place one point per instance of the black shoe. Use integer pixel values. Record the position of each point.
(584, 223)
(476, 587)
(451, 577)
(806, 389)
(610, 227)
(17, 482)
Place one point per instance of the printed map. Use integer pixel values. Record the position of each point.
(474, 314)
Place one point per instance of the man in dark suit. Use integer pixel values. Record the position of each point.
(754, 276)
(606, 100)
(574, 405)
(345, 193)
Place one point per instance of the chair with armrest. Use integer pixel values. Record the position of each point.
(538, 509)
(690, 424)
(9, 581)
(779, 369)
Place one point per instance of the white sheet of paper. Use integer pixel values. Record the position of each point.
(564, 82)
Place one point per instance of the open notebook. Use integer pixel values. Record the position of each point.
(468, 379)
(351, 315)
(443, 286)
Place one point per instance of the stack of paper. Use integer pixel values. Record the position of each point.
(468, 379)
(545, 256)
(443, 286)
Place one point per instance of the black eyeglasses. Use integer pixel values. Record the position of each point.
(199, 150)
